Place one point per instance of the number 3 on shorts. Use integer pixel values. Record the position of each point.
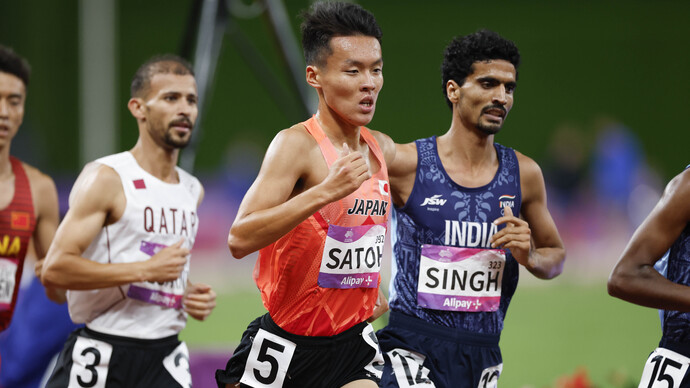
(268, 361)
(664, 369)
(90, 360)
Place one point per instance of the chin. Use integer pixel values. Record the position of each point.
(489, 129)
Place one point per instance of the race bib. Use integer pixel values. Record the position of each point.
(460, 279)
(489, 377)
(8, 272)
(268, 361)
(664, 369)
(375, 367)
(177, 364)
(168, 294)
(409, 370)
(90, 362)
(352, 256)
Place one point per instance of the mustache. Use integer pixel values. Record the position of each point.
(500, 107)
(182, 120)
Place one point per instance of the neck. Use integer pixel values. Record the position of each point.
(156, 160)
(467, 145)
(5, 165)
(339, 131)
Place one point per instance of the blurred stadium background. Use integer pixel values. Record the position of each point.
(600, 105)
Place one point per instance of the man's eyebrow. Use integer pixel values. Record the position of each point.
(487, 78)
(360, 63)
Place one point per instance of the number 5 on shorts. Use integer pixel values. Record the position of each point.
(664, 369)
(268, 361)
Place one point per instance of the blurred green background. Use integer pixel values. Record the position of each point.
(585, 65)
(582, 61)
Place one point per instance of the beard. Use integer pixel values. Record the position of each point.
(491, 128)
(171, 137)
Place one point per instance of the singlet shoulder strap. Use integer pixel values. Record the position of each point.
(327, 149)
(22, 187)
(373, 146)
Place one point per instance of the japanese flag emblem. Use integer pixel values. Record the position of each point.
(383, 187)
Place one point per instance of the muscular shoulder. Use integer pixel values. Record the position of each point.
(405, 161)
(529, 169)
(43, 191)
(41, 184)
(293, 148)
(676, 193)
(98, 187)
(531, 179)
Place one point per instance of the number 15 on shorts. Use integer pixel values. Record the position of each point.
(664, 369)
(268, 361)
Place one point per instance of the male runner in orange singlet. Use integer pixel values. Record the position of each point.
(321, 230)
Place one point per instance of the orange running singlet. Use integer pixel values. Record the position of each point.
(322, 277)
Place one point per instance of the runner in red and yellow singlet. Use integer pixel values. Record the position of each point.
(29, 211)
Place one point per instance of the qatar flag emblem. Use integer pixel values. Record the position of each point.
(383, 187)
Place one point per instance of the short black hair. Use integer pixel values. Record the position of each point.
(160, 64)
(13, 63)
(326, 19)
(463, 51)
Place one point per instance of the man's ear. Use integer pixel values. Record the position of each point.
(313, 75)
(453, 91)
(136, 107)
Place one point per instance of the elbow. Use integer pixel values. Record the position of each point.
(615, 286)
(621, 282)
(237, 249)
(50, 278)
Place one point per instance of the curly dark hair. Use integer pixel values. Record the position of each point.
(13, 63)
(161, 64)
(463, 51)
(325, 20)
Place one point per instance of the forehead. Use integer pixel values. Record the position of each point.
(496, 68)
(359, 48)
(11, 84)
(169, 82)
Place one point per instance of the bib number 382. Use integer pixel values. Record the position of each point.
(664, 369)
(268, 361)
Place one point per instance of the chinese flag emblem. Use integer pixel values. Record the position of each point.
(20, 221)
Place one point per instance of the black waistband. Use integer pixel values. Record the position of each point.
(347, 335)
(128, 341)
(442, 332)
(681, 347)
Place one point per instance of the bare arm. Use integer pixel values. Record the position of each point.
(534, 241)
(47, 213)
(634, 278)
(97, 198)
(288, 190)
(401, 160)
